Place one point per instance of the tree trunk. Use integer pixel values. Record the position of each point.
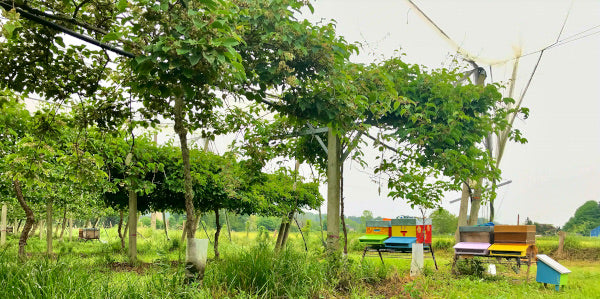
(280, 234)
(49, 227)
(126, 230)
(41, 228)
(333, 192)
(153, 220)
(342, 208)
(3, 225)
(181, 131)
(70, 229)
(166, 223)
(217, 232)
(183, 233)
(302, 234)
(64, 224)
(132, 224)
(464, 207)
(28, 221)
(228, 225)
(475, 204)
(286, 232)
(121, 235)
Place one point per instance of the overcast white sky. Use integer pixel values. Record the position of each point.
(559, 168)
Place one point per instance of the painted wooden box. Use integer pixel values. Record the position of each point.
(400, 242)
(89, 233)
(503, 249)
(550, 271)
(377, 232)
(404, 227)
(424, 230)
(476, 234)
(471, 248)
(514, 234)
(373, 240)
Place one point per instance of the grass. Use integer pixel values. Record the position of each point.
(250, 269)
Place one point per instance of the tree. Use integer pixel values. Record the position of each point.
(443, 222)
(586, 218)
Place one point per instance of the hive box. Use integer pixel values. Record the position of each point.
(377, 232)
(471, 248)
(424, 230)
(550, 271)
(412, 228)
(524, 234)
(400, 242)
(502, 249)
(476, 234)
(379, 227)
(404, 227)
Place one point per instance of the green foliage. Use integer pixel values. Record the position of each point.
(443, 222)
(473, 267)
(586, 218)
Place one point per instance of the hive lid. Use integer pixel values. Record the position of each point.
(472, 245)
(404, 240)
(404, 221)
(473, 229)
(509, 247)
(378, 223)
(373, 237)
(552, 264)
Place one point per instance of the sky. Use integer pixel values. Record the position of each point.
(559, 168)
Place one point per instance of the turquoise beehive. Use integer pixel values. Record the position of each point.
(550, 271)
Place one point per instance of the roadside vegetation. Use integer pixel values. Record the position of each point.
(249, 268)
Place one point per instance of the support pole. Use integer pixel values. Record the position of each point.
(333, 191)
(3, 225)
(132, 222)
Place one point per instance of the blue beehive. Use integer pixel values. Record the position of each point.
(550, 271)
(595, 232)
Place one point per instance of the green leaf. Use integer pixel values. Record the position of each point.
(121, 5)
(230, 42)
(111, 36)
(182, 51)
(194, 59)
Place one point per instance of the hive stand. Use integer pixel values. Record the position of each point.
(87, 234)
(506, 244)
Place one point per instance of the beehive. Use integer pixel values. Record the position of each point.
(89, 233)
(400, 242)
(476, 234)
(377, 232)
(404, 227)
(550, 271)
(505, 249)
(424, 230)
(520, 234)
(471, 248)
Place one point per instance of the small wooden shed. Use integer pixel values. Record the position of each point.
(550, 271)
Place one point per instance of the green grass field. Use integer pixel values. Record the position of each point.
(248, 268)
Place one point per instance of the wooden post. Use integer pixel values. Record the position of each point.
(153, 220)
(49, 227)
(70, 229)
(561, 243)
(333, 191)
(3, 225)
(132, 221)
(166, 223)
